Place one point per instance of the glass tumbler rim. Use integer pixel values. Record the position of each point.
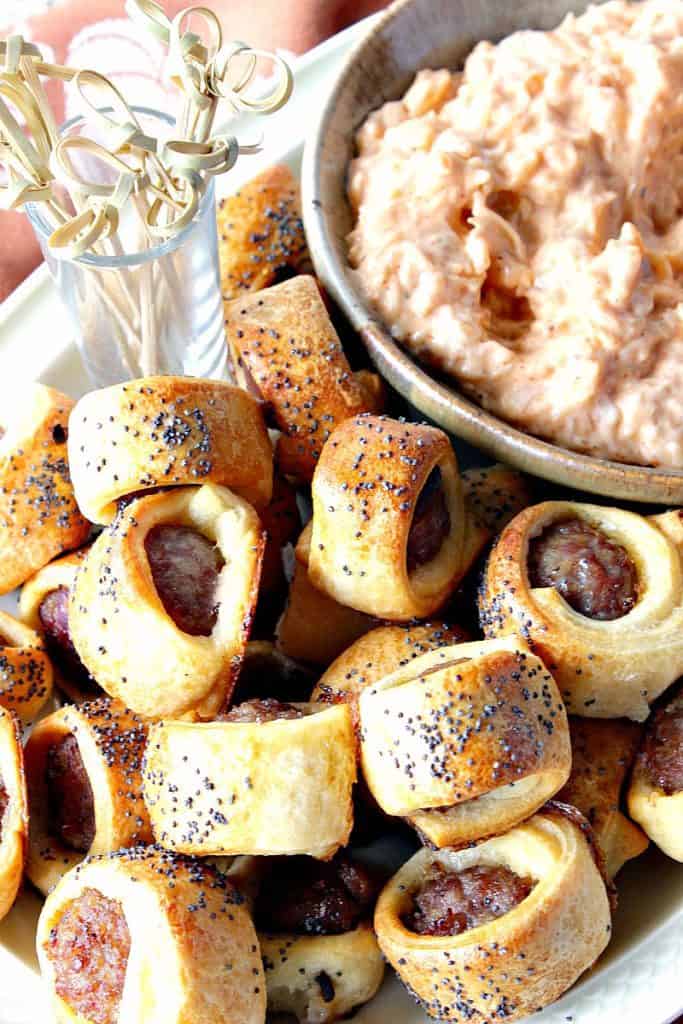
(43, 228)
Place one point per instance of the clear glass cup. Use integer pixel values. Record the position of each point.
(148, 310)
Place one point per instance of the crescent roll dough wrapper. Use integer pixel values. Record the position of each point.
(371, 548)
(163, 432)
(603, 668)
(39, 517)
(100, 796)
(119, 624)
(13, 810)
(466, 741)
(146, 937)
(321, 978)
(518, 962)
(272, 787)
(25, 669)
(656, 803)
(284, 341)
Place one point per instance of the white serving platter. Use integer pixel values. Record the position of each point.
(638, 980)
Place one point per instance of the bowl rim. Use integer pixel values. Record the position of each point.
(444, 404)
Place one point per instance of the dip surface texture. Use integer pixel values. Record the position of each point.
(519, 225)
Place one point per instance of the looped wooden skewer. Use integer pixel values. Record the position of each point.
(65, 172)
(151, 16)
(184, 210)
(20, 191)
(187, 70)
(14, 47)
(221, 85)
(80, 233)
(216, 156)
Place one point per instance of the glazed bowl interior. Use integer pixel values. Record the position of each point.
(411, 35)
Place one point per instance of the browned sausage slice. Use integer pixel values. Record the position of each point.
(450, 903)
(431, 522)
(54, 618)
(70, 796)
(185, 566)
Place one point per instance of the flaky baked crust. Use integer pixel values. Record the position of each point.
(194, 954)
(121, 630)
(111, 741)
(602, 754)
(321, 978)
(516, 963)
(278, 787)
(283, 340)
(466, 741)
(14, 821)
(60, 573)
(167, 431)
(25, 669)
(314, 627)
(365, 489)
(604, 669)
(39, 517)
(261, 235)
(659, 813)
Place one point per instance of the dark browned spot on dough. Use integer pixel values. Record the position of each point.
(452, 902)
(309, 897)
(70, 798)
(259, 711)
(593, 574)
(185, 566)
(89, 949)
(431, 522)
(663, 748)
(54, 619)
(4, 800)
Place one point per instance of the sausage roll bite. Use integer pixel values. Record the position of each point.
(268, 778)
(388, 518)
(268, 673)
(160, 432)
(261, 237)
(315, 628)
(598, 594)
(83, 766)
(498, 931)
(602, 755)
(465, 741)
(39, 517)
(44, 606)
(145, 937)
(284, 344)
(655, 797)
(161, 608)
(13, 810)
(320, 953)
(25, 669)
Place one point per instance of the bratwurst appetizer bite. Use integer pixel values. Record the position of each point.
(498, 931)
(39, 517)
(161, 608)
(655, 797)
(320, 954)
(146, 937)
(388, 518)
(465, 741)
(268, 778)
(83, 766)
(25, 669)
(598, 595)
(159, 432)
(13, 810)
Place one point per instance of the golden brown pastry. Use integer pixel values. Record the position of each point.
(283, 340)
(373, 390)
(598, 594)
(315, 628)
(494, 495)
(261, 236)
(39, 517)
(655, 797)
(44, 606)
(269, 778)
(167, 431)
(145, 937)
(498, 931)
(602, 754)
(161, 608)
(388, 518)
(13, 810)
(320, 953)
(465, 741)
(83, 766)
(25, 669)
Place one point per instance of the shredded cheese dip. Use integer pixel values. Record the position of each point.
(520, 226)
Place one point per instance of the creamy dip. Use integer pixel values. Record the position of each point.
(520, 226)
